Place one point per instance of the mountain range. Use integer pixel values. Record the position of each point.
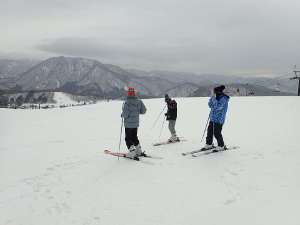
(83, 76)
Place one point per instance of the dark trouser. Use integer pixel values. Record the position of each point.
(214, 129)
(172, 124)
(131, 137)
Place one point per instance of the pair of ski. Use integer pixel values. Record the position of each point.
(124, 155)
(207, 151)
(168, 142)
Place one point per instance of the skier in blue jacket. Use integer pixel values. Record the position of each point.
(218, 105)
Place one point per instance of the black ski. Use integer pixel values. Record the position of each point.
(197, 154)
(198, 150)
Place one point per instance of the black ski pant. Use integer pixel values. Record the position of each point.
(131, 137)
(214, 129)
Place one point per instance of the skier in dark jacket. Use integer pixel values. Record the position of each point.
(171, 116)
(131, 111)
(218, 105)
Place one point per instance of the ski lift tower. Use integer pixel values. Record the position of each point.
(296, 77)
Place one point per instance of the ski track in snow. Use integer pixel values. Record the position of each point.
(53, 169)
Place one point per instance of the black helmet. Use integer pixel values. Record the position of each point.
(167, 98)
(219, 89)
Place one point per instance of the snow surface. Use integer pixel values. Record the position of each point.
(53, 169)
(62, 98)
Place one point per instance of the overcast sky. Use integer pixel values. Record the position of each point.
(202, 36)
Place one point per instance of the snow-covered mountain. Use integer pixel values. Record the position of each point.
(7, 84)
(274, 86)
(178, 77)
(232, 89)
(14, 68)
(83, 76)
(76, 75)
(282, 83)
(60, 72)
(183, 90)
(10, 71)
(243, 89)
(86, 76)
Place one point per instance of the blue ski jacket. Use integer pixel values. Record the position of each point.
(219, 108)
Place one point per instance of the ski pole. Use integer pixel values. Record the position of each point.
(161, 129)
(205, 127)
(121, 135)
(158, 117)
(122, 122)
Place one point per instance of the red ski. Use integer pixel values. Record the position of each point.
(123, 155)
(118, 154)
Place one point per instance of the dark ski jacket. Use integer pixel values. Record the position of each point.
(131, 111)
(219, 106)
(172, 110)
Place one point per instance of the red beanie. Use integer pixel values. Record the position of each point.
(131, 91)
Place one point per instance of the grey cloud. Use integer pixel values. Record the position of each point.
(196, 35)
(127, 53)
(226, 56)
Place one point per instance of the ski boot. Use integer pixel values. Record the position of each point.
(220, 148)
(132, 153)
(173, 138)
(207, 147)
(139, 151)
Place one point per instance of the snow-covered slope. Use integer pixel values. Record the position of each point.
(53, 170)
(62, 98)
